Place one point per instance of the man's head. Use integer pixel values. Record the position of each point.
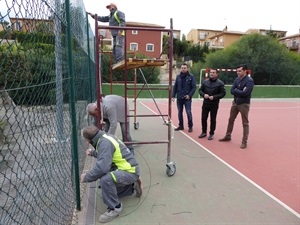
(242, 70)
(89, 132)
(213, 73)
(184, 68)
(92, 109)
(111, 6)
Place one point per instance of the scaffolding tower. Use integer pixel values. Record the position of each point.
(135, 63)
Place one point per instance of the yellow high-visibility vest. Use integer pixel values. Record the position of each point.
(117, 19)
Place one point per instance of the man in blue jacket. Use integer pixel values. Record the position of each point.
(184, 89)
(241, 91)
(116, 167)
(116, 18)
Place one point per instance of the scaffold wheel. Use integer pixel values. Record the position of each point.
(171, 169)
(136, 125)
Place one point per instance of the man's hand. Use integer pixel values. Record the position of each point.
(88, 152)
(91, 14)
(206, 96)
(187, 97)
(211, 97)
(82, 177)
(173, 99)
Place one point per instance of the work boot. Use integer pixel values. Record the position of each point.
(210, 137)
(178, 128)
(226, 138)
(243, 145)
(202, 135)
(137, 186)
(110, 214)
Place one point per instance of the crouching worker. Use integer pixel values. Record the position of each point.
(116, 168)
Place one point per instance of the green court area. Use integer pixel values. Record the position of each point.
(259, 91)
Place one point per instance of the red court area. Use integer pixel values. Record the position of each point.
(272, 159)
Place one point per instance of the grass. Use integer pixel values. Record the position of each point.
(259, 91)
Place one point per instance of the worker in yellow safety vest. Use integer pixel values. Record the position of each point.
(115, 18)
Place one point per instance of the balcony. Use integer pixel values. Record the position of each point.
(293, 46)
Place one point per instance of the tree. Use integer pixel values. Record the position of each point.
(269, 61)
(5, 24)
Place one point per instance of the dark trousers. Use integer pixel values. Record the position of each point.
(187, 103)
(211, 109)
(118, 48)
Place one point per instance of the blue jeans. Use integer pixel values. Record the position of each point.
(187, 103)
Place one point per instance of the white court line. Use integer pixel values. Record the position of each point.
(238, 172)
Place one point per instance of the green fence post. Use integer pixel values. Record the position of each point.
(58, 68)
(72, 100)
(89, 57)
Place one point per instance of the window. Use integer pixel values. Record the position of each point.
(134, 46)
(207, 43)
(18, 25)
(150, 47)
(103, 33)
(135, 32)
(295, 43)
(202, 35)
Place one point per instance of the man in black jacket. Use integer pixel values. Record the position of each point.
(212, 90)
(241, 90)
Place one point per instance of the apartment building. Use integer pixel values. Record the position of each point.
(30, 25)
(148, 43)
(279, 33)
(201, 36)
(176, 34)
(224, 39)
(291, 42)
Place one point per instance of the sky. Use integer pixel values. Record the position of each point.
(237, 15)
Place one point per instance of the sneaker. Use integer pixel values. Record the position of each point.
(190, 129)
(137, 186)
(110, 214)
(210, 137)
(178, 128)
(243, 145)
(226, 138)
(202, 135)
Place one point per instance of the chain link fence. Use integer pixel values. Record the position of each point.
(46, 80)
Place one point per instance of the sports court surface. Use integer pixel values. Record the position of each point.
(215, 182)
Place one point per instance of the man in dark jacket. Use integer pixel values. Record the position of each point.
(116, 168)
(212, 90)
(184, 88)
(116, 18)
(241, 91)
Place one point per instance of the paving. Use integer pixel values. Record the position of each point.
(204, 190)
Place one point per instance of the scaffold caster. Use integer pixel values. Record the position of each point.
(171, 169)
(136, 125)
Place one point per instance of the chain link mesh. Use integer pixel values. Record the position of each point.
(37, 163)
